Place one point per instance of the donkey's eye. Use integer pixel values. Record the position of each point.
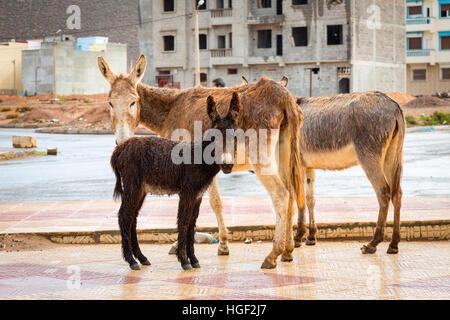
(132, 104)
(111, 105)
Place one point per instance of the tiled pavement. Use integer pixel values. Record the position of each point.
(238, 211)
(330, 270)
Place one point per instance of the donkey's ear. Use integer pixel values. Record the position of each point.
(105, 70)
(138, 70)
(284, 81)
(212, 109)
(244, 80)
(235, 106)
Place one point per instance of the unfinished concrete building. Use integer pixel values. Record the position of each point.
(323, 46)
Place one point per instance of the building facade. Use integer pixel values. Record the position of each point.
(324, 46)
(76, 71)
(11, 66)
(428, 46)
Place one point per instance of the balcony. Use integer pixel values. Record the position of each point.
(221, 16)
(221, 53)
(421, 56)
(267, 20)
(420, 24)
(418, 21)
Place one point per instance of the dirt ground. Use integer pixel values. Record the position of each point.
(92, 111)
(17, 243)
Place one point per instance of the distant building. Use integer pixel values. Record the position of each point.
(428, 46)
(11, 67)
(324, 47)
(118, 20)
(76, 70)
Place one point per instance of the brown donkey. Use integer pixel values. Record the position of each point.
(267, 107)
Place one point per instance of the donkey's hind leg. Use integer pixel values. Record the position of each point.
(126, 216)
(375, 174)
(311, 202)
(134, 241)
(191, 235)
(393, 168)
(301, 228)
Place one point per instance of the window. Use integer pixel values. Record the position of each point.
(235, 71)
(445, 74)
(230, 36)
(264, 3)
(420, 75)
(445, 10)
(415, 11)
(203, 77)
(219, 4)
(415, 43)
(298, 2)
(334, 35)
(300, 35)
(264, 38)
(169, 5)
(221, 40)
(202, 6)
(203, 44)
(169, 43)
(445, 42)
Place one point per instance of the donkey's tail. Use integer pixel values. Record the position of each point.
(295, 121)
(118, 191)
(398, 162)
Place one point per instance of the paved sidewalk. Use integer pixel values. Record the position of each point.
(330, 270)
(160, 213)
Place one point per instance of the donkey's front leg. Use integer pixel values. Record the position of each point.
(280, 199)
(216, 205)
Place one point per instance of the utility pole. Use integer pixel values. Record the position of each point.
(55, 98)
(196, 43)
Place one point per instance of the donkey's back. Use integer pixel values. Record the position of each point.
(336, 128)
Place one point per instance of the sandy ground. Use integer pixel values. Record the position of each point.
(92, 111)
(18, 243)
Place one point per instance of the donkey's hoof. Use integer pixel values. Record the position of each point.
(173, 250)
(287, 258)
(368, 249)
(146, 263)
(297, 244)
(196, 265)
(268, 265)
(392, 250)
(135, 266)
(223, 250)
(186, 267)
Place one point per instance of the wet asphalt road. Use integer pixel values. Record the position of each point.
(81, 171)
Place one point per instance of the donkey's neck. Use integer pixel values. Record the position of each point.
(155, 104)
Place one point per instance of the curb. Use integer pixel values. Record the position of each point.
(87, 131)
(409, 230)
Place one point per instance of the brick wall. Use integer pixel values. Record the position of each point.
(33, 19)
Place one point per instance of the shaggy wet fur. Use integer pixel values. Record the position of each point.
(144, 165)
(342, 131)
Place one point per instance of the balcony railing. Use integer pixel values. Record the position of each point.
(419, 53)
(221, 53)
(418, 21)
(272, 19)
(220, 13)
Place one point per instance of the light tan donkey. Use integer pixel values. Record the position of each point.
(268, 107)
